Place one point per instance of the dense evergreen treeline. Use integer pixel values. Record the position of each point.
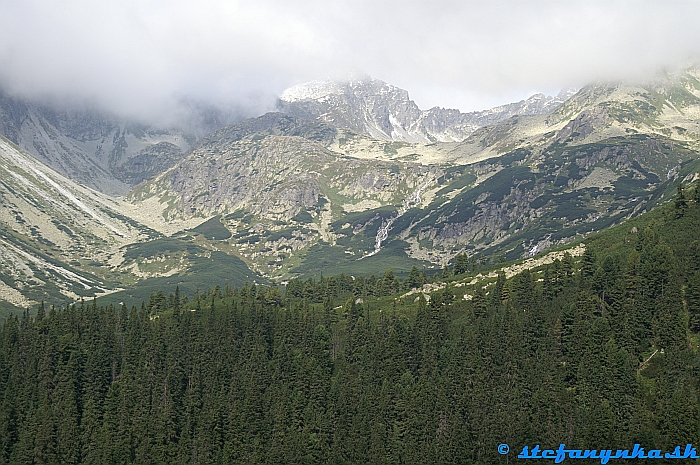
(598, 353)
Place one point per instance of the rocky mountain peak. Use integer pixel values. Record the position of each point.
(380, 110)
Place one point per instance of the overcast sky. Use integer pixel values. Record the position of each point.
(137, 57)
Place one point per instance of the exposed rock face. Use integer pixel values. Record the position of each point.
(290, 193)
(383, 111)
(54, 233)
(489, 224)
(264, 176)
(587, 122)
(149, 162)
(270, 124)
(274, 176)
(100, 150)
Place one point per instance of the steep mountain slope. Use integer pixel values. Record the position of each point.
(290, 196)
(299, 196)
(55, 233)
(279, 194)
(610, 151)
(100, 150)
(666, 107)
(383, 111)
(61, 241)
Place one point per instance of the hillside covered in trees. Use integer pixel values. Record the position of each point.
(596, 352)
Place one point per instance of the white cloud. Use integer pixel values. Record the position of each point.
(138, 57)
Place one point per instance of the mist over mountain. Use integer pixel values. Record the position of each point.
(210, 253)
(139, 59)
(102, 150)
(383, 111)
(351, 241)
(111, 153)
(349, 176)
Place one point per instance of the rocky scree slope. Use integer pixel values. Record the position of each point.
(281, 193)
(56, 236)
(100, 150)
(278, 194)
(60, 241)
(512, 189)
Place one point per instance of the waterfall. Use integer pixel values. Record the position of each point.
(383, 232)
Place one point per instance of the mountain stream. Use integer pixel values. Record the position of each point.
(383, 232)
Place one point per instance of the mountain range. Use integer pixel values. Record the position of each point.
(100, 150)
(345, 177)
(382, 111)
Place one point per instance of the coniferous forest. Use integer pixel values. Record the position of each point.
(597, 351)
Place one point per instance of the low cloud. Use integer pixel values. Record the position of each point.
(141, 58)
